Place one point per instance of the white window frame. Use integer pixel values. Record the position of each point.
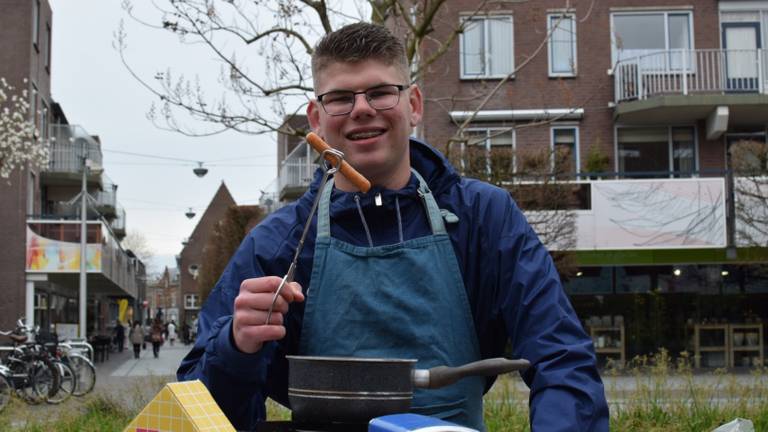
(576, 145)
(666, 13)
(486, 75)
(195, 303)
(671, 165)
(488, 132)
(574, 44)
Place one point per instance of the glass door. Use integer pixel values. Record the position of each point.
(741, 42)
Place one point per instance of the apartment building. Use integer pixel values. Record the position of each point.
(191, 257)
(648, 100)
(649, 97)
(40, 211)
(164, 296)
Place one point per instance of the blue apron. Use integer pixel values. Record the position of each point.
(405, 300)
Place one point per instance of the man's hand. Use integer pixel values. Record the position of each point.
(249, 322)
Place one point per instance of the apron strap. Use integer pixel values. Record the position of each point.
(324, 210)
(430, 205)
(433, 211)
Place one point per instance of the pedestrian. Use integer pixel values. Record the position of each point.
(425, 265)
(120, 336)
(171, 330)
(156, 336)
(136, 335)
(185, 333)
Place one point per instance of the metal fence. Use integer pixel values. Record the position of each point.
(691, 71)
(66, 148)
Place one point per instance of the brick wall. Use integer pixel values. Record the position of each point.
(19, 59)
(532, 88)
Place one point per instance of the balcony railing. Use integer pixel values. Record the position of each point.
(297, 173)
(67, 145)
(682, 72)
(118, 224)
(53, 246)
(106, 199)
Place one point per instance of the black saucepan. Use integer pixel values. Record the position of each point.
(355, 390)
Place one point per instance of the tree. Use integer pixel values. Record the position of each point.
(19, 140)
(539, 183)
(749, 162)
(264, 50)
(226, 237)
(139, 245)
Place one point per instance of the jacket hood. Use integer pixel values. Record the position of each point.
(439, 174)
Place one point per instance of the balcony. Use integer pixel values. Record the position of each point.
(106, 199)
(652, 88)
(296, 172)
(658, 221)
(118, 223)
(53, 248)
(69, 144)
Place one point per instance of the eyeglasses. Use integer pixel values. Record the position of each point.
(380, 98)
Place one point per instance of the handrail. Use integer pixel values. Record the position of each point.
(683, 71)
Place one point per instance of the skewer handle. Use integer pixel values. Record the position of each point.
(346, 169)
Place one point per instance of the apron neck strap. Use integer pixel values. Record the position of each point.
(430, 205)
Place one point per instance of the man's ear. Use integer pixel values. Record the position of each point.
(313, 115)
(417, 105)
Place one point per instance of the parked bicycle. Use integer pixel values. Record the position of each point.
(29, 369)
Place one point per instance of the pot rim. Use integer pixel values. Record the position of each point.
(351, 359)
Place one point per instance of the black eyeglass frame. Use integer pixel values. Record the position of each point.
(400, 88)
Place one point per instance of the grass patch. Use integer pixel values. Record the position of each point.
(652, 394)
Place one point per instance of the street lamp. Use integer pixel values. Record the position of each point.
(200, 171)
(190, 213)
(83, 291)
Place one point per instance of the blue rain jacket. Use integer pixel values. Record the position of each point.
(513, 288)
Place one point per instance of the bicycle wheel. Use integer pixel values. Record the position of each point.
(85, 373)
(45, 379)
(5, 392)
(67, 383)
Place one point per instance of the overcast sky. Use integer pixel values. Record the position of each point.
(97, 92)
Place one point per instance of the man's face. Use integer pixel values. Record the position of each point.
(375, 142)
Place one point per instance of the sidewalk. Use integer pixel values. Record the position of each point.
(122, 365)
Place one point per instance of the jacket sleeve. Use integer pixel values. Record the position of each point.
(237, 381)
(567, 393)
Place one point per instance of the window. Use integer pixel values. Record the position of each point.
(562, 45)
(653, 38)
(36, 23)
(654, 152)
(487, 48)
(565, 149)
(33, 104)
(31, 186)
(191, 301)
(47, 48)
(488, 153)
(43, 120)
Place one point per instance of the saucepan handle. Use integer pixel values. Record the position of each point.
(441, 376)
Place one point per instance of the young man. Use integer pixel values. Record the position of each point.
(426, 265)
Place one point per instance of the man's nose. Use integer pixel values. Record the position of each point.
(362, 107)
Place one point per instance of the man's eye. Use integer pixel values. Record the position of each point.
(379, 93)
(342, 98)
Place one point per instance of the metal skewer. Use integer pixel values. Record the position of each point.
(329, 169)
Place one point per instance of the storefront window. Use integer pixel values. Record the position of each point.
(590, 280)
(634, 279)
